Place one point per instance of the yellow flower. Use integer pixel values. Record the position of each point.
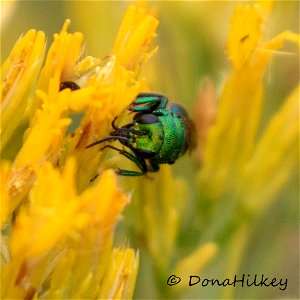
(58, 231)
(230, 152)
(18, 74)
(58, 234)
(243, 169)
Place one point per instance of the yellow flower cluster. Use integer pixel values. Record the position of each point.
(58, 227)
(57, 231)
(245, 169)
(57, 239)
(235, 160)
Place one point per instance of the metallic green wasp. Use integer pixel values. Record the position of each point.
(157, 134)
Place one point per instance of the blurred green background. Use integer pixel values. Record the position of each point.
(191, 37)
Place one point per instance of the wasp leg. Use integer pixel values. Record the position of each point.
(151, 102)
(113, 123)
(126, 128)
(154, 167)
(140, 162)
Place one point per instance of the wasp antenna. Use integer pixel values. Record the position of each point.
(113, 123)
(100, 141)
(110, 138)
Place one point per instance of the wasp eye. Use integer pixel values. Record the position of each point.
(147, 119)
(178, 110)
